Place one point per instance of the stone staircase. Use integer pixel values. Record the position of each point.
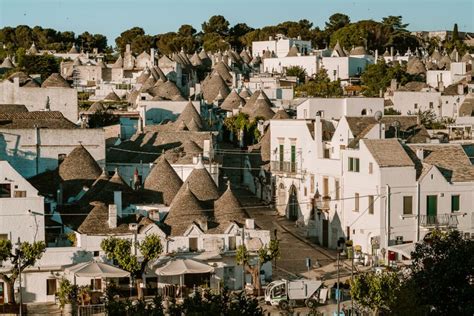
(43, 309)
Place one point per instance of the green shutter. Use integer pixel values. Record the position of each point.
(356, 164)
(349, 167)
(454, 203)
(282, 153)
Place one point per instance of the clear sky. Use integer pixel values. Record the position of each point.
(111, 17)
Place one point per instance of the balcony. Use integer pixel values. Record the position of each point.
(284, 166)
(439, 221)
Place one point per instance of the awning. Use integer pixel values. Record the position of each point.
(183, 266)
(97, 270)
(403, 249)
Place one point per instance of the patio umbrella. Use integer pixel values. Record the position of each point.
(97, 270)
(183, 266)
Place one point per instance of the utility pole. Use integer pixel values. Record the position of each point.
(338, 295)
(19, 275)
(352, 278)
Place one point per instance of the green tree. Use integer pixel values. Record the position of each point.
(235, 34)
(375, 291)
(20, 258)
(120, 250)
(265, 254)
(298, 72)
(127, 37)
(336, 21)
(44, 65)
(394, 22)
(455, 36)
(320, 86)
(442, 272)
(216, 24)
(186, 30)
(213, 42)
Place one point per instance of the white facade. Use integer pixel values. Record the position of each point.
(335, 108)
(280, 46)
(457, 72)
(33, 151)
(63, 100)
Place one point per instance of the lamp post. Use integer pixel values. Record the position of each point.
(18, 252)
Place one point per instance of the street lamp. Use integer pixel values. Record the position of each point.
(18, 253)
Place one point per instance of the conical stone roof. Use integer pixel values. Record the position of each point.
(436, 56)
(32, 50)
(262, 108)
(338, 49)
(189, 114)
(445, 62)
(415, 66)
(293, 52)
(79, 164)
(190, 147)
(193, 126)
(142, 78)
(166, 90)
(214, 85)
(158, 74)
(466, 58)
(112, 96)
(228, 208)
(250, 106)
(73, 50)
(224, 71)
(233, 101)
(163, 180)
(245, 56)
(201, 184)
(55, 80)
(196, 60)
(281, 115)
(96, 107)
(118, 63)
(203, 55)
(245, 93)
(7, 63)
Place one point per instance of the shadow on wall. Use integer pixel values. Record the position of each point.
(24, 162)
(337, 230)
(159, 115)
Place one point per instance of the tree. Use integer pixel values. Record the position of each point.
(24, 256)
(298, 72)
(395, 22)
(442, 272)
(127, 37)
(186, 30)
(375, 291)
(265, 254)
(44, 65)
(455, 37)
(213, 42)
(216, 24)
(336, 21)
(120, 251)
(320, 86)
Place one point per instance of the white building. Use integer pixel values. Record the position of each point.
(335, 108)
(280, 46)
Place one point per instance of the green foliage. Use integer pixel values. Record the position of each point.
(102, 118)
(336, 21)
(23, 256)
(44, 65)
(138, 308)
(136, 38)
(378, 76)
(269, 252)
(89, 41)
(320, 86)
(296, 71)
(391, 111)
(216, 24)
(375, 291)
(242, 122)
(442, 271)
(120, 251)
(67, 293)
(429, 119)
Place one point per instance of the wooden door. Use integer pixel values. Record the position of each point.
(2, 293)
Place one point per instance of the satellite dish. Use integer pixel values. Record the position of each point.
(378, 116)
(396, 124)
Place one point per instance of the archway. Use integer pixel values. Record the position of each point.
(293, 204)
(363, 112)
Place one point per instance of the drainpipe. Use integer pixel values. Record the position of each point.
(418, 203)
(37, 148)
(388, 217)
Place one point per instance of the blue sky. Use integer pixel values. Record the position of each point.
(111, 17)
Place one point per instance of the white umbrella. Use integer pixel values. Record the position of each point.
(97, 270)
(183, 266)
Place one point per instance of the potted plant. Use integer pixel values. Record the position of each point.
(67, 295)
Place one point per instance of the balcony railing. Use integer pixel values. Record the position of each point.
(443, 220)
(284, 166)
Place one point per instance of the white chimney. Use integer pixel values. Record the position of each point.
(112, 216)
(118, 203)
(420, 154)
(249, 223)
(460, 89)
(127, 48)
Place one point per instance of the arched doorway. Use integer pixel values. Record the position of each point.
(293, 205)
(281, 201)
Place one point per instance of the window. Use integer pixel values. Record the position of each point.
(327, 153)
(353, 164)
(455, 203)
(325, 186)
(96, 284)
(5, 190)
(19, 194)
(371, 204)
(431, 105)
(356, 202)
(415, 106)
(371, 168)
(407, 205)
(96, 253)
(3, 236)
(51, 286)
(232, 243)
(312, 184)
(193, 244)
(293, 158)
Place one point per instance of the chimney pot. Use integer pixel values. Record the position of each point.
(112, 216)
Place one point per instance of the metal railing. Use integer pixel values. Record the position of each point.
(284, 166)
(92, 310)
(443, 220)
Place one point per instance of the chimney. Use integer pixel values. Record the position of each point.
(391, 52)
(318, 134)
(381, 93)
(152, 56)
(441, 86)
(249, 223)
(112, 216)
(376, 55)
(203, 224)
(393, 85)
(460, 89)
(420, 154)
(127, 48)
(118, 203)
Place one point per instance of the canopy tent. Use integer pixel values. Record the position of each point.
(97, 270)
(403, 249)
(183, 266)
